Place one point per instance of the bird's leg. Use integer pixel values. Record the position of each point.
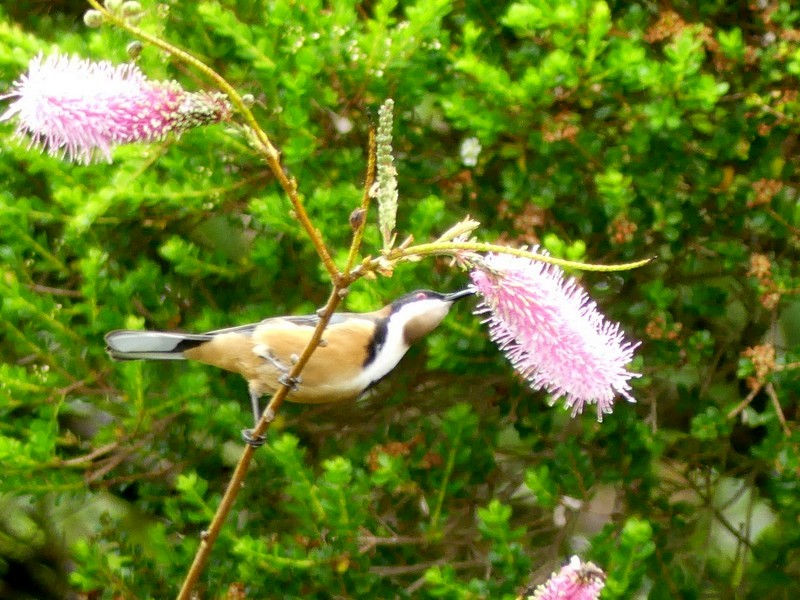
(256, 441)
(292, 383)
(256, 404)
(285, 379)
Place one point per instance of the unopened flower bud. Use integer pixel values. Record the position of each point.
(134, 49)
(357, 218)
(131, 8)
(93, 19)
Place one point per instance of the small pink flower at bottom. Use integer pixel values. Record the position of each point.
(552, 332)
(78, 108)
(575, 581)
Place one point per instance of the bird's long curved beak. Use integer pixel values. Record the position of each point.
(458, 295)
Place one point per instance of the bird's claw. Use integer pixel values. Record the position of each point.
(293, 383)
(255, 441)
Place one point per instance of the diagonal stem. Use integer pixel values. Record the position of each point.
(260, 139)
(237, 479)
(451, 248)
(448, 472)
(358, 234)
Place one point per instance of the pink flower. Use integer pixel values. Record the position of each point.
(552, 332)
(575, 581)
(81, 109)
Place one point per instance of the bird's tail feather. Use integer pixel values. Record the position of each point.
(152, 345)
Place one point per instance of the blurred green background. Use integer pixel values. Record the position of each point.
(609, 132)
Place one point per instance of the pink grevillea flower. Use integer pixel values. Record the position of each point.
(81, 109)
(575, 581)
(552, 332)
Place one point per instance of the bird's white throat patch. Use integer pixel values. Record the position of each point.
(422, 314)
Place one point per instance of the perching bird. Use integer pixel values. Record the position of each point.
(359, 349)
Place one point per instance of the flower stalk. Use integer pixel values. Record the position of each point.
(261, 142)
(385, 188)
(469, 250)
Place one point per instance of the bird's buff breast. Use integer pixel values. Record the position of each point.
(331, 375)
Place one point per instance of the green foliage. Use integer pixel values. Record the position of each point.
(610, 131)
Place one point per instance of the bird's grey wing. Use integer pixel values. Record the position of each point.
(313, 320)
(303, 320)
(300, 320)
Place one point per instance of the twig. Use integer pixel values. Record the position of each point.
(708, 501)
(340, 283)
(450, 248)
(237, 479)
(263, 146)
(44, 289)
(125, 452)
(148, 475)
(358, 234)
(773, 395)
(88, 458)
(788, 366)
(448, 472)
(771, 212)
(367, 542)
(416, 568)
(744, 403)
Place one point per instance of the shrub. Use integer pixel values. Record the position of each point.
(608, 132)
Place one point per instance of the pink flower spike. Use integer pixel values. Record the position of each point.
(575, 581)
(552, 332)
(78, 108)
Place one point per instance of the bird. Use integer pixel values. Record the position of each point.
(357, 349)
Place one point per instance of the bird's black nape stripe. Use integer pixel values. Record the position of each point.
(378, 340)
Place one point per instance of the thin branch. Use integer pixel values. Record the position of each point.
(788, 366)
(358, 233)
(367, 542)
(114, 460)
(744, 403)
(707, 498)
(392, 571)
(259, 138)
(450, 248)
(237, 479)
(771, 212)
(773, 395)
(44, 289)
(448, 472)
(82, 461)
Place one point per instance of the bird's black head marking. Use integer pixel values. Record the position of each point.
(416, 296)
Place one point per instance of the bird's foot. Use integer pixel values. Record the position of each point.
(255, 441)
(265, 353)
(293, 383)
